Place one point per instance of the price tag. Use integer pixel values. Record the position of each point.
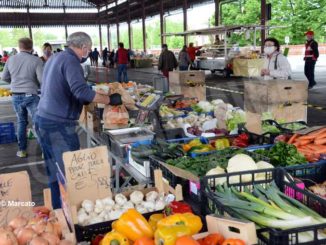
(15, 196)
(88, 174)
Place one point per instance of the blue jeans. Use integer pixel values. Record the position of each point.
(122, 71)
(183, 68)
(24, 104)
(55, 139)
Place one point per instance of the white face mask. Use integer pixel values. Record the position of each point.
(269, 50)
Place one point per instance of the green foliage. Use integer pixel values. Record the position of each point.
(298, 15)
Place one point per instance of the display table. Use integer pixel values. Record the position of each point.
(247, 67)
(118, 164)
(141, 63)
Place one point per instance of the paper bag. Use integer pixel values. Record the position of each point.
(115, 117)
(127, 100)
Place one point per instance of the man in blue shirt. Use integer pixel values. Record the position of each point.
(63, 94)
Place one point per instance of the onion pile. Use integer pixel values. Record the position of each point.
(43, 229)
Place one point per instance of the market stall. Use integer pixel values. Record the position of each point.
(148, 178)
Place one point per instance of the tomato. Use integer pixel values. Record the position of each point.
(233, 242)
(186, 240)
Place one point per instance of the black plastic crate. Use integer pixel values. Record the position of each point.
(274, 236)
(89, 232)
(185, 183)
(7, 133)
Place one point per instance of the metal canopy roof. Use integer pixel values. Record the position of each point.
(37, 4)
(113, 15)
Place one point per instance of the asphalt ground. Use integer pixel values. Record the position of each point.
(229, 90)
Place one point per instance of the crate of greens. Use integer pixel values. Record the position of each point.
(279, 219)
(190, 170)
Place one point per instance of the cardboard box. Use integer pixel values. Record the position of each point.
(288, 113)
(275, 91)
(188, 83)
(230, 228)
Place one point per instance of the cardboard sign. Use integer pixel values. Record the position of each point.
(15, 196)
(87, 174)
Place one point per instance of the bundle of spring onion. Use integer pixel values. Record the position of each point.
(269, 207)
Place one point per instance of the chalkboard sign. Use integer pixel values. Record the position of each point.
(87, 174)
(15, 196)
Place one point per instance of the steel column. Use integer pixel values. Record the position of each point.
(217, 12)
(263, 23)
(143, 22)
(185, 20)
(108, 31)
(129, 26)
(162, 21)
(64, 22)
(117, 22)
(29, 24)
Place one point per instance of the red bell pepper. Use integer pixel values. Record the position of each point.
(177, 207)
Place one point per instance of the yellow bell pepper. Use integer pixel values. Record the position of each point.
(114, 238)
(167, 235)
(154, 219)
(193, 222)
(133, 225)
(195, 142)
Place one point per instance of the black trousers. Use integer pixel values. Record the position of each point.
(309, 71)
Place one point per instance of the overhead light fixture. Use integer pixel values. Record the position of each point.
(110, 12)
(133, 3)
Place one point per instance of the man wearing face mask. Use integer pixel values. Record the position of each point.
(47, 52)
(276, 65)
(311, 56)
(64, 92)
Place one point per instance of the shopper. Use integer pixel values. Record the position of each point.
(95, 56)
(192, 52)
(24, 72)
(184, 59)
(122, 58)
(276, 65)
(64, 92)
(311, 56)
(167, 61)
(47, 52)
(105, 54)
(5, 57)
(111, 58)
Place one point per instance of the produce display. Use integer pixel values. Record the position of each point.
(158, 148)
(319, 189)
(226, 161)
(268, 207)
(112, 208)
(283, 154)
(176, 229)
(42, 229)
(312, 145)
(5, 92)
(165, 111)
(185, 103)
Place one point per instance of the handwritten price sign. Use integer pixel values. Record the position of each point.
(87, 174)
(15, 196)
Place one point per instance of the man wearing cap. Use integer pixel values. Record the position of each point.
(311, 56)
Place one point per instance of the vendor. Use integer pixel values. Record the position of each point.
(276, 65)
(192, 51)
(64, 92)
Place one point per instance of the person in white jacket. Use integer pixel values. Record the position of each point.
(276, 65)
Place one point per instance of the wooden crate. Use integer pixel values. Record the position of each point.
(275, 91)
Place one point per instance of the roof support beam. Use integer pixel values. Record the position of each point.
(217, 12)
(108, 32)
(162, 21)
(100, 33)
(117, 23)
(143, 22)
(64, 22)
(29, 24)
(185, 20)
(263, 23)
(129, 26)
